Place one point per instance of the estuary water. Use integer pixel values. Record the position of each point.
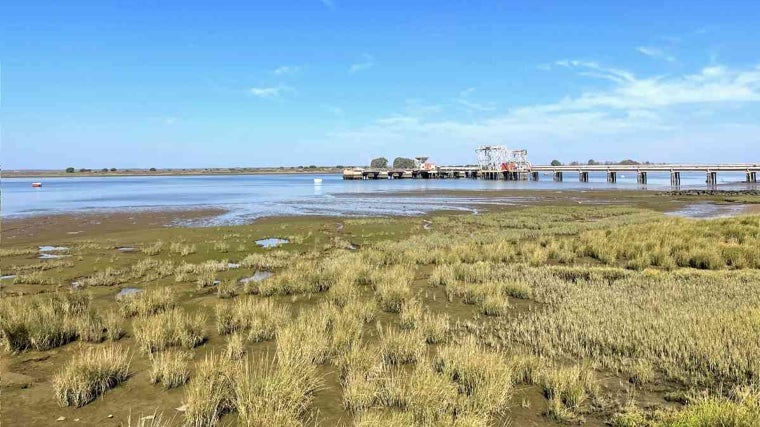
(248, 197)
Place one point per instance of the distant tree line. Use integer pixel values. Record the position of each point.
(398, 163)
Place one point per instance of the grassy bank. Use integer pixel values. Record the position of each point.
(610, 314)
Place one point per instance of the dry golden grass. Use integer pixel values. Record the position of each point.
(399, 347)
(686, 339)
(35, 278)
(147, 303)
(235, 349)
(170, 368)
(90, 374)
(181, 249)
(227, 289)
(153, 249)
(485, 377)
(270, 393)
(258, 320)
(174, 328)
(211, 392)
(435, 328)
(43, 322)
(411, 314)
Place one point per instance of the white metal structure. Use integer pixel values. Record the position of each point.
(498, 157)
(491, 157)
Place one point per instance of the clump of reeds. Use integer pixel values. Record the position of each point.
(107, 277)
(342, 292)
(205, 279)
(639, 372)
(442, 275)
(410, 314)
(259, 320)
(435, 328)
(379, 418)
(569, 386)
(10, 252)
(181, 249)
(304, 340)
(113, 326)
(483, 376)
(275, 393)
(494, 304)
(90, 374)
(227, 289)
(147, 303)
(429, 397)
(170, 368)
(35, 278)
(89, 327)
(153, 249)
(740, 408)
(391, 295)
(42, 322)
(235, 347)
(268, 261)
(211, 392)
(516, 289)
(173, 328)
(398, 347)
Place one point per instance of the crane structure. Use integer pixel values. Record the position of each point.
(499, 158)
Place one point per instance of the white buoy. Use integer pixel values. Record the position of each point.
(317, 180)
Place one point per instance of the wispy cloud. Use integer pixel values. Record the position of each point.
(464, 100)
(328, 3)
(367, 62)
(593, 69)
(667, 118)
(270, 92)
(286, 70)
(656, 53)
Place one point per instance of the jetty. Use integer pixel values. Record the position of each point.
(498, 163)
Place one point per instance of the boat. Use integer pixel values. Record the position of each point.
(317, 180)
(36, 184)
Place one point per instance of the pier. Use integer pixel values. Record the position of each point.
(558, 173)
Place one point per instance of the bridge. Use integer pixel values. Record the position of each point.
(533, 172)
(710, 170)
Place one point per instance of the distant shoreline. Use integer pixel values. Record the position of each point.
(33, 173)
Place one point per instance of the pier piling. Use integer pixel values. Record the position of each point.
(675, 179)
(641, 177)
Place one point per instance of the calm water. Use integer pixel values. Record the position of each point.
(253, 196)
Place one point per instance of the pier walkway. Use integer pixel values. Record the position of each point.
(752, 170)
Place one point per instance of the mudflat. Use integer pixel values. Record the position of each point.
(556, 312)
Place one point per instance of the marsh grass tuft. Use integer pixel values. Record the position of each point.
(170, 329)
(44, 322)
(211, 392)
(147, 302)
(90, 374)
(170, 368)
(399, 347)
(259, 320)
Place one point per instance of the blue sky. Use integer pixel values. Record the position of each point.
(200, 84)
